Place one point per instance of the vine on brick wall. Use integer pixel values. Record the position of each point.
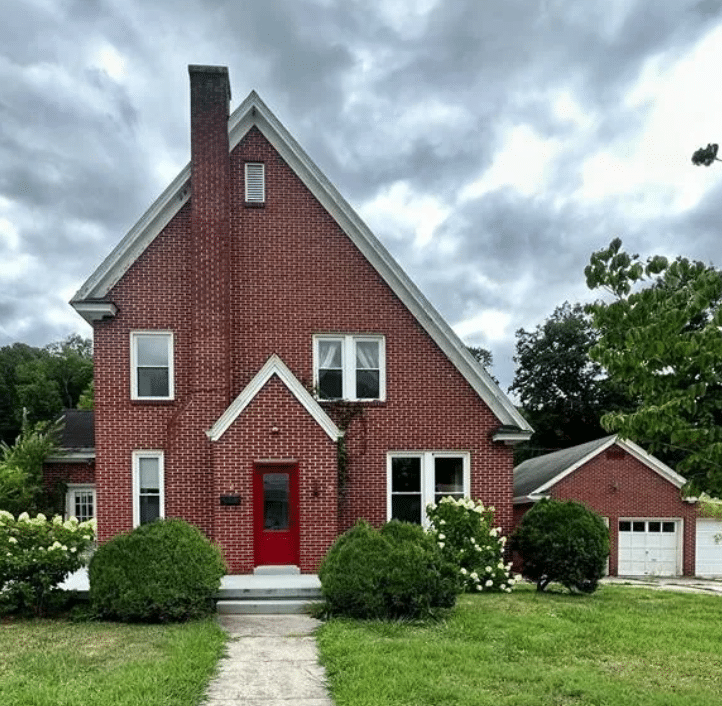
(345, 413)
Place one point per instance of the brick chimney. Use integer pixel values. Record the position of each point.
(210, 230)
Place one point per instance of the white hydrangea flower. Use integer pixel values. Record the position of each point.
(442, 536)
(489, 583)
(441, 545)
(12, 540)
(23, 517)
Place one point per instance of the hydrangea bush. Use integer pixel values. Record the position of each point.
(36, 555)
(465, 532)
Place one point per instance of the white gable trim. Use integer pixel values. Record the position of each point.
(254, 112)
(274, 366)
(636, 451)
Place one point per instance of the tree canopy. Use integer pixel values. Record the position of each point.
(661, 338)
(38, 383)
(562, 391)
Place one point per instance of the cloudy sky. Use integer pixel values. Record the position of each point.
(492, 145)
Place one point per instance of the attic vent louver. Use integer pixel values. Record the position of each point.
(255, 182)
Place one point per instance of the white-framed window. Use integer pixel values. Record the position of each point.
(415, 479)
(347, 367)
(148, 495)
(255, 177)
(80, 502)
(151, 365)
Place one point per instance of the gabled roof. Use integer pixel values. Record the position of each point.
(274, 366)
(536, 476)
(91, 303)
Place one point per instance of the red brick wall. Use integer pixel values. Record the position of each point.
(57, 475)
(293, 273)
(617, 485)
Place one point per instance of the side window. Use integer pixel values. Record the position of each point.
(417, 479)
(151, 358)
(255, 174)
(148, 495)
(80, 502)
(349, 367)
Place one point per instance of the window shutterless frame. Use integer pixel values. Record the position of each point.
(417, 478)
(349, 367)
(148, 490)
(80, 501)
(151, 365)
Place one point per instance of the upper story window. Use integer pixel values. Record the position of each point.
(151, 360)
(350, 367)
(255, 182)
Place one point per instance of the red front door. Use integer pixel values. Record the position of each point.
(275, 514)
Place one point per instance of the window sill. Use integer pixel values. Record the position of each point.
(254, 204)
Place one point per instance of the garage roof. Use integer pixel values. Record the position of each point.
(534, 477)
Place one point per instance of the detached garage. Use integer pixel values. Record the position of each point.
(652, 527)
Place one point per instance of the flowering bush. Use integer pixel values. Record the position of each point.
(37, 554)
(465, 532)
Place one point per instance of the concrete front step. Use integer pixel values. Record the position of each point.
(266, 592)
(271, 590)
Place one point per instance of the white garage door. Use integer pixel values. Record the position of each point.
(709, 548)
(648, 547)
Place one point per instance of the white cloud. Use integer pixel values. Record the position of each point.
(399, 210)
(490, 326)
(522, 163)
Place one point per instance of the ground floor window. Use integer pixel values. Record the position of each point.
(148, 500)
(416, 479)
(80, 502)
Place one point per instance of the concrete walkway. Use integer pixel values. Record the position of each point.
(684, 584)
(271, 660)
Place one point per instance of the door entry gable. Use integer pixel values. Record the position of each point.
(274, 366)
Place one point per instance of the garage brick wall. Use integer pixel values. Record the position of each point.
(615, 484)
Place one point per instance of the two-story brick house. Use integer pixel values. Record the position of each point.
(263, 367)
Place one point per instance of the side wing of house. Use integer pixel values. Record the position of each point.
(251, 298)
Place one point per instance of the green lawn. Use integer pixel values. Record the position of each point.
(621, 646)
(59, 663)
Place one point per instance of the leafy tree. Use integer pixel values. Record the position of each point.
(660, 337)
(562, 541)
(21, 468)
(41, 382)
(562, 391)
(483, 356)
(11, 357)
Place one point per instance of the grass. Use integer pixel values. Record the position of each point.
(617, 647)
(60, 663)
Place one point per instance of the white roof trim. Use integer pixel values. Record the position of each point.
(72, 456)
(640, 454)
(531, 498)
(654, 463)
(274, 366)
(254, 112)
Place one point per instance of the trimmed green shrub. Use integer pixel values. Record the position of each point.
(164, 571)
(465, 532)
(564, 542)
(37, 554)
(391, 573)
